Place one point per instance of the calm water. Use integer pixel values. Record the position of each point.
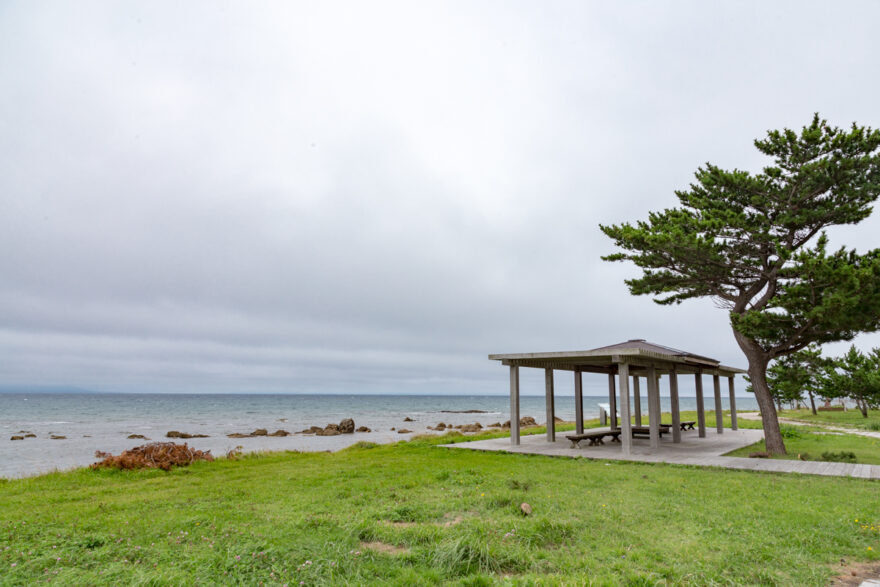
(93, 422)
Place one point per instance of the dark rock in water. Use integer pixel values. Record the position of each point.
(346, 426)
(57, 437)
(31, 435)
(495, 425)
(176, 434)
(404, 431)
(441, 427)
(408, 419)
(328, 431)
(364, 429)
(393, 428)
(463, 412)
(257, 432)
(311, 430)
(17, 437)
(133, 436)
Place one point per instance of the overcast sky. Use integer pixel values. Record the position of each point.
(371, 196)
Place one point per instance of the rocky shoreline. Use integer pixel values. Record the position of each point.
(345, 426)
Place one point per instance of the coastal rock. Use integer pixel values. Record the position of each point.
(408, 419)
(133, 436)
(495, 425)
(523, 422)
(17, 437)
(30, 435)
(470, 427)
(463, 411)
(177, 434)
(346, 426)
(404, 431)
(57, 437)
(311, 430)
(258, 432)
(364, 429)
(558, 419)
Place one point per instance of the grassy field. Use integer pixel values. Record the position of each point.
(417, 514)
(849, 418)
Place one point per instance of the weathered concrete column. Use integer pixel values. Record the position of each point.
(653, 407)
(673, 405)
(578, 402)
(719, 412)
(514, 405)
(626, 437)
(733, 425)
(637, 400)
(551, 409)
(701, 410)
(612, 401)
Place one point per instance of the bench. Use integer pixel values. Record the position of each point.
(594, 436)
(688, 425)
(646, 430)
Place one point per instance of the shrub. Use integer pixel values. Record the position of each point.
(790, 432)
(843, 456)
(156, 455)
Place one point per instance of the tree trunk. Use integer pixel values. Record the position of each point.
(812, 402)
(863, 406)
(758, 361)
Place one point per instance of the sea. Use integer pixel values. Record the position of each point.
(90, 422)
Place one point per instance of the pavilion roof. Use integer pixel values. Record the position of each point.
(638, 352)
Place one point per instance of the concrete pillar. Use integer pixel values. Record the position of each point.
(637, 400)
(551, 409)
(612, 401)
(733, 425)
(653, 407)
(626, 437)
(673, 405)
(719, 412)
(701, 410)
(514, 405)
(578, 402)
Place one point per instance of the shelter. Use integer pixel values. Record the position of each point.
(634, 359)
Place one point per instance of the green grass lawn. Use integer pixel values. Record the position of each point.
(851, 418)
(416, 514)
(809, 444)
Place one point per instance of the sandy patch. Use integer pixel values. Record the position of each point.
(852, 574)
(384, 547)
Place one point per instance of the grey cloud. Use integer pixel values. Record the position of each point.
(348, 197)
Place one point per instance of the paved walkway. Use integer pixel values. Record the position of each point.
(702, 452)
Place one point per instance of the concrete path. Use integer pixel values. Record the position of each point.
(783, 420)
(701, 452)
